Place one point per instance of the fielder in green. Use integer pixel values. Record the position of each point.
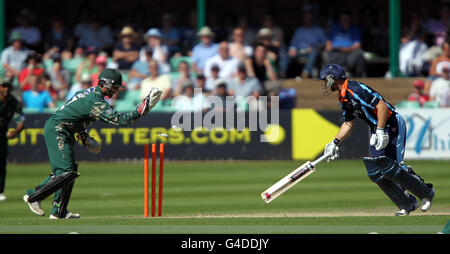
(71, 120)
(10, 108)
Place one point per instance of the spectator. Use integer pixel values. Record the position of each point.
(31, 34)
(343, 46)
(97, 36)
(277, 38)
(265, 38)
(439, 64)
(83, 24)
(204, 50)
(211, 80)
(34, 67)
(440, 89)
(188, 98)
(161, 82)
(170, 35)
(126, 52)
(159, 52)
(139, 71)
(14, 57)
(221, 92)
(87, 65)
(58, 36)
(184, 76)
(85, 83)
(411, 60)
(249, 33)
(259, 66)
(100, 62)
(245, 85)
(189, 34)
(307, 42)
(379, 35)
(222, 26)
(227, 64)
(201, 83)
(418, 94)
(37, 97)
(60, 80)
(238, 49)
(366, 24)
(438, 28)
(78, 53)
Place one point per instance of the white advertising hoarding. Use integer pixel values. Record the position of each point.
(428, 133)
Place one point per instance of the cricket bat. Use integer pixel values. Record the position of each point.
(291, 179)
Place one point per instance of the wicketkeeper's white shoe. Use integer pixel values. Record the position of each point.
(69, 215)
(2, 197)
(35, 207)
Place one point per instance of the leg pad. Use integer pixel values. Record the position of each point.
(394, 191)
(56, 182)
(401, 175)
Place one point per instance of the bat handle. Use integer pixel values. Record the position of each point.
(320, 159)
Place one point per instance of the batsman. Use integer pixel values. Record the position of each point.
(71, 120)
(385, 165)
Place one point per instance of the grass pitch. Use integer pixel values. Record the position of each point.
(224, 197)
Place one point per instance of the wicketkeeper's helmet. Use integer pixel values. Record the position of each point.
(110, 78)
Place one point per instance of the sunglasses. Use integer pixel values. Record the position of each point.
(6, 85)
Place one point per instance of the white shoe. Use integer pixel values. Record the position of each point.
(404, 212)
(69, 215)
(426, 204)
(2, 197)
(35, 207)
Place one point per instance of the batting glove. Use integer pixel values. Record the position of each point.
(91, 144)
(332, 149)
(149, 101)
(381, 139)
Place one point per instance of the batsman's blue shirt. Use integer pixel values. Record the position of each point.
(359, 100)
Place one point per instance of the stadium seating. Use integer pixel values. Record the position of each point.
(174, 61)
(30, 111)
(72, 64)
(407, 104)
(431, 104)
(309, 93)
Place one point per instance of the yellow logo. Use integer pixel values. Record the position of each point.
(310, 133)
(274, 134)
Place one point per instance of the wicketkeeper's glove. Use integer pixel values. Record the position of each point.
(91, 144)
(149, 101)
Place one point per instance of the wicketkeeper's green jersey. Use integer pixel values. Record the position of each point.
(87, 106)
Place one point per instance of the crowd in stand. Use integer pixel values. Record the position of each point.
(47, 67)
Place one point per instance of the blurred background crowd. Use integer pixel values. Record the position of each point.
(236, 55)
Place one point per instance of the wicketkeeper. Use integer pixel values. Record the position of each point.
(387, 141)
(72, 119)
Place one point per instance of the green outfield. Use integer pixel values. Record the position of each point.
(224, 197)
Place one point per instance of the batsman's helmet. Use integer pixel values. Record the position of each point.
(110, 78)
(329, 74)
(334, 70)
